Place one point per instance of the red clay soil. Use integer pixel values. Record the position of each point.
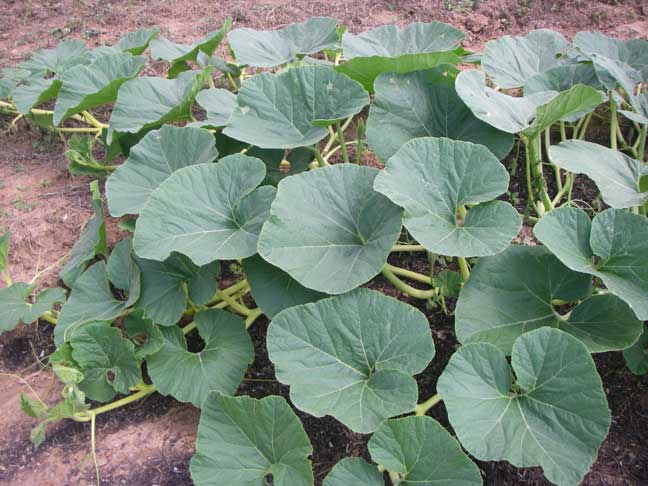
(150, 443)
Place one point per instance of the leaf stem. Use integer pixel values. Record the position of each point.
(417, 277)
(318, 156)
(340, 135)
(143, 392)
(614, 123)
(234, 305)
(407, 289)
(641, 150)
(423, 407)
(463, 266)
(408, 248)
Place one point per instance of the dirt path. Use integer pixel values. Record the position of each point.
(151, 443)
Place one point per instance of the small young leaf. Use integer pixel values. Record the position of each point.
(242, 440)
(146, 336)
(355, 471)
(636, 356)
(15, 306)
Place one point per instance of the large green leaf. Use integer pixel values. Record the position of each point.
(34, 93)
(562, 78)
(425, 104)
(292, 108)
(137, 41)
(166, 286)
(179, 54)
(431, 178)
(68, 53)
(616, 175)
(92, 300)
(219, 105)
(273, 289)
(219, 366)
(423, 453)
(158, 155)
(107, 361)
(207, 212)
(354, 470)
(87, 86)
(511, 61)
(92, 241)
(16, 307)
(636, 356)
(512, 293)
(613, 247)
(555, 415)
(347, 236)
(351, 356)
(500, 110)
(12, 77)
(242, 440)
(269, 48)
(391, 49)
(633, 52)
(147, 102)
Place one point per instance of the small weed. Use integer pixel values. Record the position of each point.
(21, 205)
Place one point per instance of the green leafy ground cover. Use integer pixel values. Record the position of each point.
(261, 161)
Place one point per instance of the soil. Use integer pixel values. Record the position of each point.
(151, 443)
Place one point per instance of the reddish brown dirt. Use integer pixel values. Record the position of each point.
(150, 443)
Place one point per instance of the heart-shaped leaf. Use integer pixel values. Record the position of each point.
(431, 178)
(347, 237)
(391, 49)
(179, 54)
(87, 86)
(273, 289)
(242, 440)
(633, 52)
(613, 246)
(511, 61)
(425, 104)
(555, 415)
(562, 78)
(354, 470)
(166, 286)
(158, 155)
(513, 293)
(134, 42)
(107, 361)
(270, 48)
(422, 453)
(68, 53)
(207, 212)
(15, 306)
(34, 93)
(351, 356)
(219, 366)
(292, 108)
(616, 175)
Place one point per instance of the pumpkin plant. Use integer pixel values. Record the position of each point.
(258, 161)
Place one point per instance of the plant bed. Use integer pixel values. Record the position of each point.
(425, 315)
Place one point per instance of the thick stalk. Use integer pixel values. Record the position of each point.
(463, 266)
(417, 277)
(536, 167)
(143, 392)
(641, 149)
(234, 305)
(340, 136)
(408, 248)
(318, 156)
(614, 123)
(360, 135)
(407, 289)
(556, 169)
(422, 408)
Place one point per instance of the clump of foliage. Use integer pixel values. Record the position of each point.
(266, 178)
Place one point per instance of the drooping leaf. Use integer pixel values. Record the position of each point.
(207, 212)
(636, 356)
(346, 237)
(511, 61)
(219, 104)
(613, 246)
(616, 174)
(68, 53)
(158, 155)
(423, 453)
(554, 416)
(145, 335)
(273, 289)
(425, 104)
(35, 93)
(137, 41)
(87, 86)
(91, 300)
(15, 306)
(11, 78)
(179, 54)
(121, 269)
(242, 440)
(166, 285)
(292, 108)
(391, 49)
(219, 366)
(81, 157)
(562, 78)
(107, 361)
(270, 48)
(351, 356)
(92, 241)
(431, 178)
(354, 470)
(500, 110)
(146, 102)
(633, 52)
(513, 293)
